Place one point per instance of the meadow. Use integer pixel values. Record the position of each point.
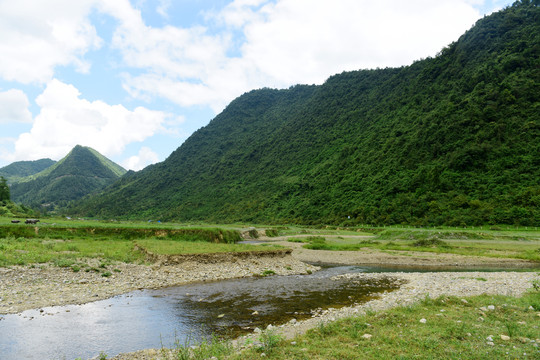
(517, 243)
(67, 242)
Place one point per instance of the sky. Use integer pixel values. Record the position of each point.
(133, 79)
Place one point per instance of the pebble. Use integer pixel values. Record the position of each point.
(505, 338)
(24, 288)
(423, 321)
(367, 336)
(42, 285)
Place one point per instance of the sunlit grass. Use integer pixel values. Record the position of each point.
(443, 328)
(23, 251)
(498, 244)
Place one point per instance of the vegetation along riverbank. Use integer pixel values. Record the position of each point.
(67, 262)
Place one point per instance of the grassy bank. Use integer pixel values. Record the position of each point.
(517, 244)
(443, 328)
(68, 243)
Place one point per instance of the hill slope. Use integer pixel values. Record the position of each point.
(80, 173)
(447, 140)
(18, 170)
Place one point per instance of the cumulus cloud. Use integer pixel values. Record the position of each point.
(14, 107)
(38, 36)
(144, 158)
(66, 120)
(283, 43)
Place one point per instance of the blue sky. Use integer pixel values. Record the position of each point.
(133, 79)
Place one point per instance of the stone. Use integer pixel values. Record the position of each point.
(491, 307)
(255, 313)
(423, 321)
(220, 316)
(489, 338)
(464, 301)
(490, 343)
(367, 336)
(484, 309)
(505, 338)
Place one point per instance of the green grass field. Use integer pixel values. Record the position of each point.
(67, 242)
(58, 240)
(443, 328)
(517, 243)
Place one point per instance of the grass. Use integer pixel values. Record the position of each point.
(69, 246)
(68, 253)
(489, 243)
(64, 253)
(453, 329)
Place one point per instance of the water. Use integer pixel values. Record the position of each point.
(156, 318)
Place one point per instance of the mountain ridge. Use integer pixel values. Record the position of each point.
(82, 171)
(17, 171)
(447, 140)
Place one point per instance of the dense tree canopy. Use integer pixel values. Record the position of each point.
(80, 173)
(447, 140)
(4, 190)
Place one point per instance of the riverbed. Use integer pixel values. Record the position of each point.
(182, 314)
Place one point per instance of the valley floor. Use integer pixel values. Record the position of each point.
(39, 286)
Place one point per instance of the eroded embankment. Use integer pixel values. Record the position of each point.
(213, 258)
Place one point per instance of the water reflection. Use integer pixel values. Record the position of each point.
(155, 318)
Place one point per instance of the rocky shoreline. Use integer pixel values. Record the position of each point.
(33, 287)
(415, 287)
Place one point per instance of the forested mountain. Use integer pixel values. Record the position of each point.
(82, 172)
(18, 170)
(447, 140)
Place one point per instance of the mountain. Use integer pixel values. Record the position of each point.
(16, 171)
(449, 140)
(82, 172)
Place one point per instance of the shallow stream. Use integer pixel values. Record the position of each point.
(183, 314)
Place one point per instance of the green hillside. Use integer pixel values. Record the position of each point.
(81, 172)
(447, 140)
(18, 170)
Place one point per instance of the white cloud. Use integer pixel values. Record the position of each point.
(14, 107)
(66, 120)
(144, 158)
(37, 36)
(283, 43)
(163, 8)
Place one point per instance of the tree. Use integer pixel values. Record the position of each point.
(4, 190)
